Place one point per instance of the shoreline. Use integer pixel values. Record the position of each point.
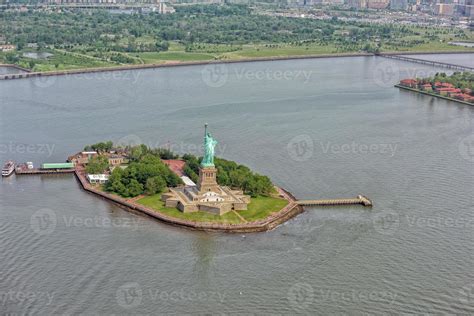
(433, 94)
(29, 74)
(289, 211)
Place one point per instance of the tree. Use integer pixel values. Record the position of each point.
(155, 185)
(134, 188)
(97, 165)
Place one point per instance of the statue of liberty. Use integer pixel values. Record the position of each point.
(209, 149)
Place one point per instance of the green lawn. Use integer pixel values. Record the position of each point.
(157, 57)
(207, 52)
(155, 203)
(259, 208)
(262, 206)
(252, 51)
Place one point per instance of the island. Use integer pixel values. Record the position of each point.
(458, 87)
(205, 193)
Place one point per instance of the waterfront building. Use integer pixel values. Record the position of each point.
(444, 9)
(82, 158)
(116, 160)
(207, 195)
(97, 178)
(7, 48)
(378, 4)
(412, 83)
(399, 4)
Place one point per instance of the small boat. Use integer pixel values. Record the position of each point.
(8, 168)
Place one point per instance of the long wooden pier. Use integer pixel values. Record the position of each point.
(428, 62)
(360, 199)
(20, 171)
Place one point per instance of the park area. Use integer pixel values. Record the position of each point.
(259, 208)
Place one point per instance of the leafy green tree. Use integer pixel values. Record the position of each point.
(134, 188)
(155, 185)
(97, 165)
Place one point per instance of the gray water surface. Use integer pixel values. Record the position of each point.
(5, 70)
(320, 128)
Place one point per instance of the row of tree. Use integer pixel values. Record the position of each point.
(462, 80)
(147, 174)
(231, 174)
(212, 24)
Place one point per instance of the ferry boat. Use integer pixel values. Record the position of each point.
(8, 168)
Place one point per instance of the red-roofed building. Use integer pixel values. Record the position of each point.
(177, 166)
(427, 87)
(454, 92)
(412, 83)
(465, 97)
(446, 91)
(443, 85)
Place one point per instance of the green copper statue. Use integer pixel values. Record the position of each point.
(209, 151)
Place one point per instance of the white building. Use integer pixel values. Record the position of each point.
(97, 178)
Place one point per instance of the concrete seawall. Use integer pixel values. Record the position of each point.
(432, 94)
(29, 74)
(290, 210)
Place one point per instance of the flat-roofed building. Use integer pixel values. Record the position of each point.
(97, 178)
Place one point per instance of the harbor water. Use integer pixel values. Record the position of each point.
(320, 128)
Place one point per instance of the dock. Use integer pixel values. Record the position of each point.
(21, 171)
(427, 62)
(360, 199)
